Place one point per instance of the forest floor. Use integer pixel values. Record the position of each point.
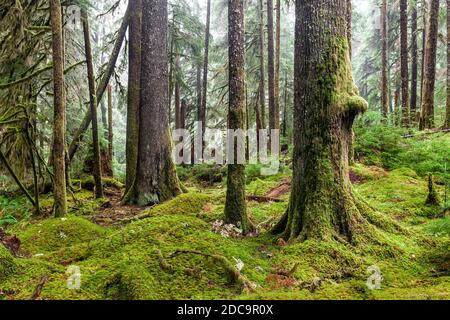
(182, 249)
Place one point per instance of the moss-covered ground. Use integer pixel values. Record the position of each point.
(133, 258)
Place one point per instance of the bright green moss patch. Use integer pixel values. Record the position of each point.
(7, 264)
(188, 203)
(49, 235)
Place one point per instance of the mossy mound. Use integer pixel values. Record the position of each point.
(188, 203)
(7, 264)
(50, 235)
(88, 183)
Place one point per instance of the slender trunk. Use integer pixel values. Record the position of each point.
(414, 66)
(177, 95)
(171, 72)
(16, 178)
(79, 134)
(134, 79)
(199, 91)
(285, 118)
(447, 112)
(384, 60)
(349, 26)
(427, 117)
(322, 204)
(277, 58)
(404, 61)
(262, 72)
(235, 205)
(59, 168)
(425, 8)
(110, 131)
(97, 173)
(205, 66)
(274, 113)
(156, 178)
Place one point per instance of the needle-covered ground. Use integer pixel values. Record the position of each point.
(181, 250)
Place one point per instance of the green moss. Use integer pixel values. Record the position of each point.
(188, 203)
(7, 264)
(49, 235)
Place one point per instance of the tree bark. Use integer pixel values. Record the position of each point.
(427, 117)
(384, 60)
(156, 179)
(414, 65)
(235, 206)
(404, 61)
(59, 170)
(97, 173)
(322, 204)
(277, 57)
(274, 112)
(447, 112)
(425, 8)
(205, 66)
(79, 134)
(177, 94)
(262, 72)
(110, 132)
(134, 79)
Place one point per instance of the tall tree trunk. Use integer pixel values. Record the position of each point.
(156, 179)
(59, 170)
(205, 66)
(447, 112)
(277, 57)
(110, 132)
(425, 9)
(414, 66)
(262, 72)
(134, 79)
(349, 26)
(199, 91)
(235, 206)
(427, 117)
(79, 134)
(404, 61)
(96, 168)
(285, 117)
(322, 204)
(384, 60)
(274, 113)
(177, 94)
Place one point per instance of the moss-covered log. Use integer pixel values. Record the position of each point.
(322, 205)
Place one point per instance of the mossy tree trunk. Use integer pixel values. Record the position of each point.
(425, 9)
(384, 60)
(404, 68)
(96, 166)
(414, 65)
(134, 78)
(429, 81)
(322, 205)
(58, 156)
(110, 132)
(277, 56)
(447, 112)
(235, 206)
(156, 178)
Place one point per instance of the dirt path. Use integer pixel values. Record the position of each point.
(113, 211)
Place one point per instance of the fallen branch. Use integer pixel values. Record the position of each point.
(235, 276)
(262, 199)
(408, 136)
(37, 292)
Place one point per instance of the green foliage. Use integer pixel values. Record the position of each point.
(386, 146)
